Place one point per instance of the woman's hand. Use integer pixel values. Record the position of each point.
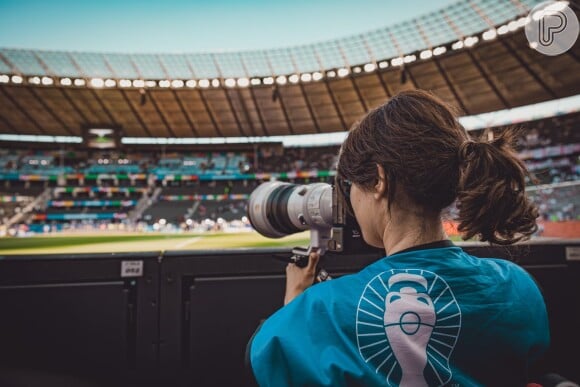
(300, 278)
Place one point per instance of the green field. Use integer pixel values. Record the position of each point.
(140, 242)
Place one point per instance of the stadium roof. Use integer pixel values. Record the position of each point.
(473, 55)
(457, 21)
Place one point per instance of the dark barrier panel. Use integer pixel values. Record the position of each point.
(78, 319)
(74, 320)
(211, 303)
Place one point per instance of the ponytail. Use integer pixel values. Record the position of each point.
(491, 196)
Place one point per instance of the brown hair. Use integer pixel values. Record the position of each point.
(427, 153)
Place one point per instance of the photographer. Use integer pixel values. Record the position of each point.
(428, 313)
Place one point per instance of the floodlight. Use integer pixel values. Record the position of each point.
(343, 72)
(243, 82)
(397, 62)
(426, 54)
(177, 83)
(489, 34)
(457, 45)
(470, 41)
(317, 76)
(97, 82)
(502, 30)
(370, 67)
(439, 50)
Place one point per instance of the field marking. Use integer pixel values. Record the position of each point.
(186, 242)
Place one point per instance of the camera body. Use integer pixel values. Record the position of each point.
(277, 209)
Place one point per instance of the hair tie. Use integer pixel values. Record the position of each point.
(465, 149)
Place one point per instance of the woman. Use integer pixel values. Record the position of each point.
(428, 313)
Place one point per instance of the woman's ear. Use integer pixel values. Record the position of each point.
(381, 186)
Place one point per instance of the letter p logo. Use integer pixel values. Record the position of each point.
(550, 25)
(552, 28)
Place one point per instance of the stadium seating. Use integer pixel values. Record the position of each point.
(213, 185)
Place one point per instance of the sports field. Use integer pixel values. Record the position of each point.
(139, 242)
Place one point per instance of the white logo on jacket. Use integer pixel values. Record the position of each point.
(407, 325)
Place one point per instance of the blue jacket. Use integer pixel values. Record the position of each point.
(435, 316)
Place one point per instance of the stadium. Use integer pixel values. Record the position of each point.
(109, 160)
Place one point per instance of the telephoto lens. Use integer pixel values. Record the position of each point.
(277, 209)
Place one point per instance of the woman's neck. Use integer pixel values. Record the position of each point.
(408, 230)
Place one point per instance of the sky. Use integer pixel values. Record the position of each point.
(191, 26)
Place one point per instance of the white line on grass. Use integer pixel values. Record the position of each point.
(187, 242)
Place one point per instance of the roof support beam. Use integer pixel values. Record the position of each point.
(525, 65)
(210, 113)
(377, 70)
(135, 113)
(146, 94)
(309, 106)
(9, 125)
(358, 93)
(243, 102)
(74, 105)
(102, 105)
(406, 71)
(231, 105)
(335, 104)
(228, 97)
(450, 86)
(260, 117)
(277, 95)
(22, 110)
(388, 92)
(177, 99)
(205, 104)
(485, 76)
(245, 111)
(331, 94)
(51, 112)
(305, 97)
(185, 114)
(352, 81)
(163, 118)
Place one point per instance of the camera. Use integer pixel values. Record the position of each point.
(277, 209)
